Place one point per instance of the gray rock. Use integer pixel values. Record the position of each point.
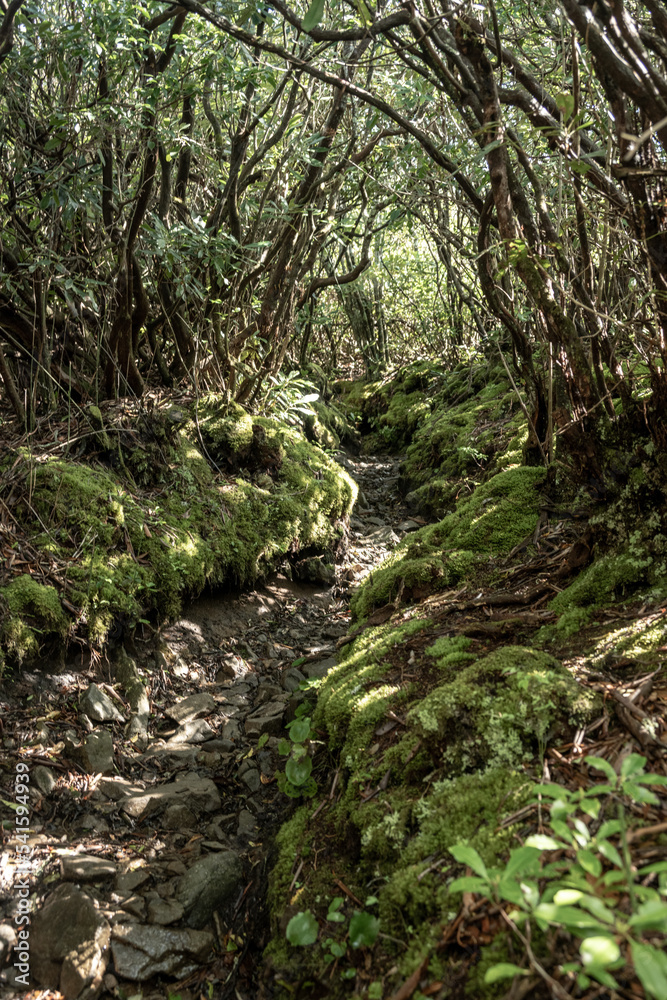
(199, 795)
(408, 525)
(128, 882)
(193, 731)
(97, 752)
(117, 788)
(134, 905)
(194, 707)
(43, 778)
(128, 675)
(231, 730)
(98, 706)
(315, 570)
(141, 951)
(247, 825)
(292, 679)
(249, 775)
(85, 867)
(232, 667)
(164, 911)
(267, 719)
(319, 668)
(69, 939)
(179, 817)
(267, 692)
(211, 885)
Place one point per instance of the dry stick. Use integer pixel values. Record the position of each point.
(523, 406)
(558, 991)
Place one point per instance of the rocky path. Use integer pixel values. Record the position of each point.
(152, 783)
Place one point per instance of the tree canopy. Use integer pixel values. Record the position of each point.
(211, 191)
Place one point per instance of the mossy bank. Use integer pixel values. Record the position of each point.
(143, 512)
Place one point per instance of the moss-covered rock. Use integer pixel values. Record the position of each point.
(498, 515)
(132, 551)
(33, 614)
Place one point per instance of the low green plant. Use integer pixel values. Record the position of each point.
(296, 780)
(288, 397)
(362, 931)
(590, 890)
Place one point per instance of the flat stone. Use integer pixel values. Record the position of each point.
(97, 752)
(141, 951)
(267, 719)
(98, 706)
(193, 707)
(85, 867)
(408, 525)
(267, 692)
(129, 881)
(193, 731)
(211, 885)
(179, 817)
(69, 938)
(199, 794)
(164, 911)
(117, 788)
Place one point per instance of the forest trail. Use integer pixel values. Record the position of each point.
(171, 818)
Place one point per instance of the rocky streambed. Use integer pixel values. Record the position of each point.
(152, 786)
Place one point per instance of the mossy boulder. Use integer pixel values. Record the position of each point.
(498, 515)
(135, 551)
(33, 615)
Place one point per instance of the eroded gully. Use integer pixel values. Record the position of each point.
(151, 855)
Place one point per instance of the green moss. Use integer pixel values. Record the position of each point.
(499, 710)
(132, 551)
(33, 614)
(227, 425)
(498, 515)
(451, 651)
(351, 698)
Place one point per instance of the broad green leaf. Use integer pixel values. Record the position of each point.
(565, 897)
(603, 765)
(523, 861)
(503, 970)
(468, 856)
(652, 914)
(299, 730)
(302, 929)
(469, 883)
(590, 863)
(298, 771)
(314, 15)
(633, 764)
(651, 968)
(364, 929)
(544, 843)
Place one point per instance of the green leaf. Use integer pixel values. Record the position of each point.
(302, 929)
(262, 741)
(503, 970)
(599, 950)
(652, 914)
(633, 764)
(364, 929)
(314, 15)
(469, 883)
(468, 856)
(544, 843)
(590, 863)
(651, 968)
(299, 730)
(523, 861)
(298, 771)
